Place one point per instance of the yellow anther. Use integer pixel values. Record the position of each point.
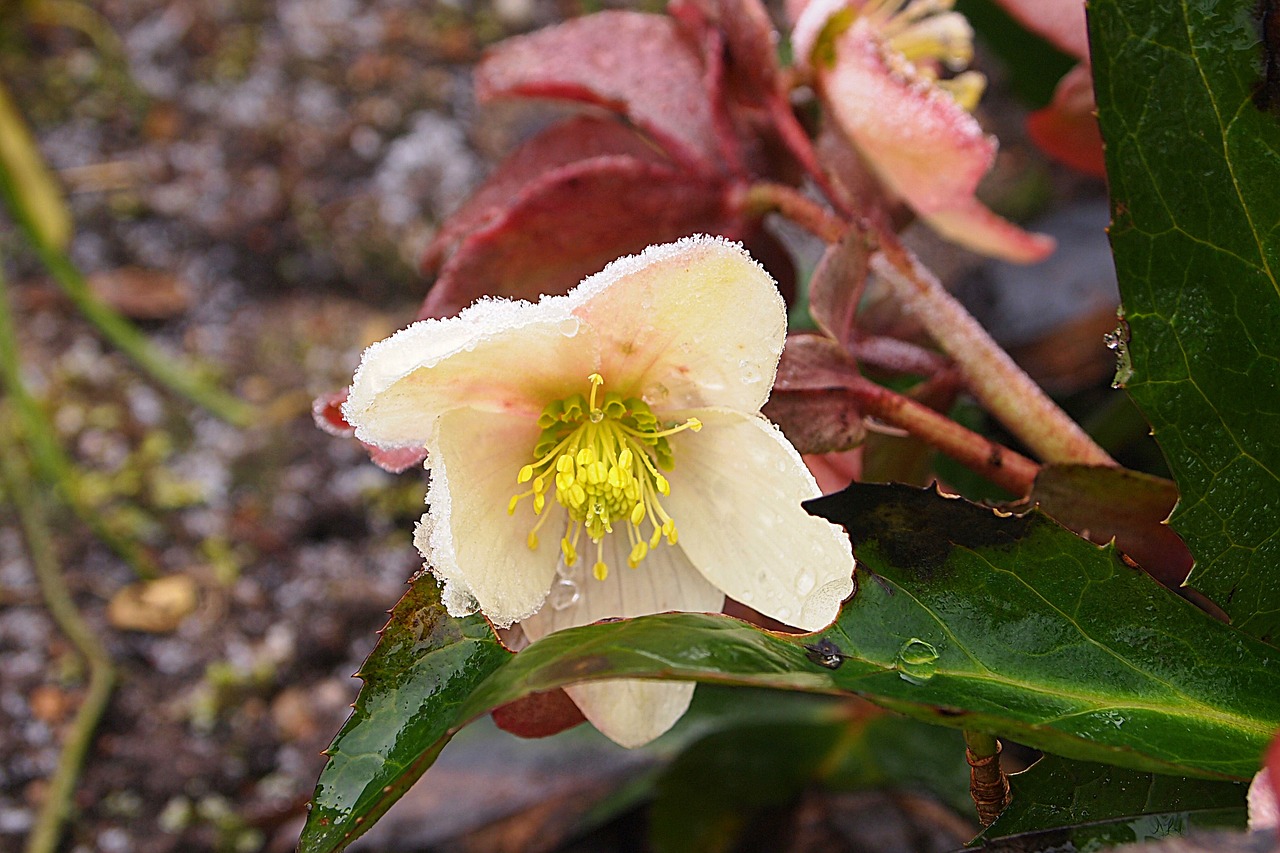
(570, 553)
(525, 475)
(600, 570)
(539, 503)
(511, 506)
(638, 553)
(637, 514)
(694, 424)
(532, 541)
(661, 484)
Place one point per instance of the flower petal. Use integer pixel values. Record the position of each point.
(688, 324)
(922, 144)
(735, 498)
(631, 712)
(467, 537)
(496, 355)
(972, 224)
(1067, 129)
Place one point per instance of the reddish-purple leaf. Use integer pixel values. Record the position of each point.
(811, 402)
(1102, 503)
(539, 714)
(562, 144)
(837, 284)
(571, 223)
(638, 65)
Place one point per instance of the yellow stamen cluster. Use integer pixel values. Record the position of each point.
(925, 33)
(600, 457)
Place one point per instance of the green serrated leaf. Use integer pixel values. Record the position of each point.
(1193, 166)
(1010, 625)
(1056, 792)
(425, 663)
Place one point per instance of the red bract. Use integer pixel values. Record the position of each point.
(1067, 129)
(669, 163)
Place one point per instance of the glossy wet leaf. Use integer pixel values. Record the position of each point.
(1194, 165)
(1010, 625)
(425, 663)
(1056, 794)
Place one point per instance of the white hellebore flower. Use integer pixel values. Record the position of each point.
(623, 420)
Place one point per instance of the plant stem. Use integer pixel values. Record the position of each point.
(57, 804)
(988, 785)
(989, 373)
(119, 332)
(50, 460)
(1006, 468)
(801, 147)
(765, 197)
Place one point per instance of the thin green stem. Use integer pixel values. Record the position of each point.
(50, 460)
(989, 373)
(57, 804)
(119, 332)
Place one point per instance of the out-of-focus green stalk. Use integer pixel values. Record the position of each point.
(50, 460)
(44, 561)
(34, 195)
(168, 371)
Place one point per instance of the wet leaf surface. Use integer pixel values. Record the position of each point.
(1057, 793)
(1006, 624)
(1193, 165)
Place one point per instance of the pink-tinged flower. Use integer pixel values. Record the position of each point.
(602, 454)
(876, 65)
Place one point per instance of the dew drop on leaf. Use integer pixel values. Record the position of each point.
(916, 661)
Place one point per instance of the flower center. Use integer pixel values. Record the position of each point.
(600, 456)
(925, 33)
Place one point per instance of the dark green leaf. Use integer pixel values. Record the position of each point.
(1088, 802)
(1009, 625)
(424, 664)
(1194, 166)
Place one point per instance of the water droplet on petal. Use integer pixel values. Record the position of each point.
(750, 372)
(804, 583)
(569, 326)
(916, 661)
(745, 596)
(564, 594)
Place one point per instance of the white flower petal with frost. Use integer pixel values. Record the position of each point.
(602, 454)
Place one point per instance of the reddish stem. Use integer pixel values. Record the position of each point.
(767, 197)
(990, 374)
(1006, 468)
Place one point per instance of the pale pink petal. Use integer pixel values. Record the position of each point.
(632, 712)
(688, 324)
(972, 225)
(467, 537)
(497, 356)
(735, 498)
(922, 145)
(1059, 22)
(1264, 803)
(919, 141)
